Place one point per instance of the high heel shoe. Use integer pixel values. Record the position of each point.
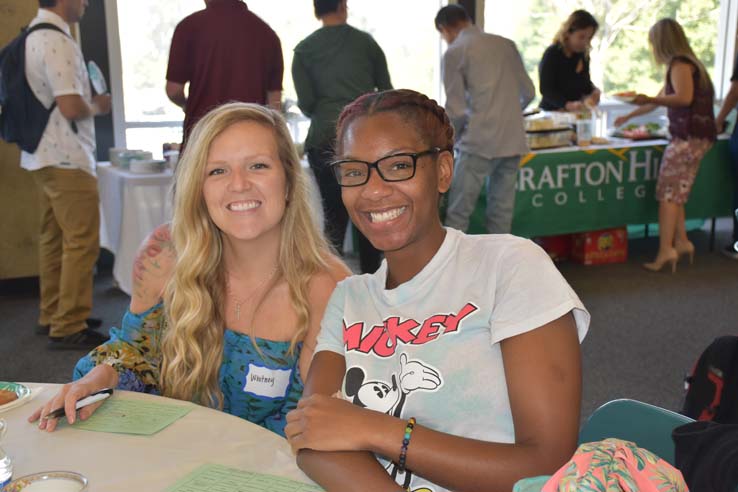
(685, 249)
(670, 259)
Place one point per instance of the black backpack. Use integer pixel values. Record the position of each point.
(712, 388)
(23, 118)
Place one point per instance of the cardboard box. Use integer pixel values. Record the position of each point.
(601, 247)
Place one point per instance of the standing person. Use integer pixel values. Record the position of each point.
(63, 167)
(688, 95)
(332, 67)
(487, 88)
(730, 102)
(227, 301)
(469, 345)
(225, 53)
(564, 69)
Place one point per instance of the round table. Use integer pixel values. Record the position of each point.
(118, 462)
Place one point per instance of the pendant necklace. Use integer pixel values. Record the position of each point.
(241, 301)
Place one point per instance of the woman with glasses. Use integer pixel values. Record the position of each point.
(227, 300)
(456, 366)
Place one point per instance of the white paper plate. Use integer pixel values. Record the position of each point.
(22, 391)
(97, 78)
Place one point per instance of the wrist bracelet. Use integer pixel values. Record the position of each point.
(405, 442)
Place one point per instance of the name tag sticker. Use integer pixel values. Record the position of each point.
(266, 382)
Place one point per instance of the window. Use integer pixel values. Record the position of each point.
(145, 30)
(404, 29)
(621, 59)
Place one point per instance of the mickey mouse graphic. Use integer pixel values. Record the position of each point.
(390, 397)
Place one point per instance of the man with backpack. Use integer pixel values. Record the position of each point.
(63, 166)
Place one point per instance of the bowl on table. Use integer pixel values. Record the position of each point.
(51, 481)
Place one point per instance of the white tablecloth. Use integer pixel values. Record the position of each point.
(117, 462)
(131, 206)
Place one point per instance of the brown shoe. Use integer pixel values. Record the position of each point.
(82, 340)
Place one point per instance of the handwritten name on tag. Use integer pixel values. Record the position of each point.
(271, 383)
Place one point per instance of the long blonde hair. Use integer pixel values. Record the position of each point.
(668, 41)
(192, 347)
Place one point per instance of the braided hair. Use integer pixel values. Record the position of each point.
(423, 113)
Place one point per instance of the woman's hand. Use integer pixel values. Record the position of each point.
(621, 120)
(326, 423)
(593, 99)
(102, 376)
(641, 99)
(574, 106)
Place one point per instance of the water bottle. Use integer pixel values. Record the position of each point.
(6, 465)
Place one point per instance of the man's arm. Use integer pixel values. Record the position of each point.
(453, 82)
(730, 102)
(176, 93)
(66, 75)
(527, 88)
(274, 77)
(74, 108)
(381, 72)
(179, 65)
(306, 98)
(274, 100)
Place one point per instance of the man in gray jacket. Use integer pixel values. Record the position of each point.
(487, 89)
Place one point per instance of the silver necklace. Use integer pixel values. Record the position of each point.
(240, 301)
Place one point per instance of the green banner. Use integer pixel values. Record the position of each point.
(560, 192)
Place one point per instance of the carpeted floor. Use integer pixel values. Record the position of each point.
(647, 329)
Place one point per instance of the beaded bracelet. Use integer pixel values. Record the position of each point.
(405, 443)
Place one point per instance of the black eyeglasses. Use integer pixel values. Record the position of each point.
(396, 167)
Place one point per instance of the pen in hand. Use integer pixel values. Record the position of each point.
(88, 400)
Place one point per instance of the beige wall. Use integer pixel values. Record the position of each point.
(19, 221)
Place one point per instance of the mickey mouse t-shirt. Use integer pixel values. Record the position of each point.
(430, 348)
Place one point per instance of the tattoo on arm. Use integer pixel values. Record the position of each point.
(152, 264)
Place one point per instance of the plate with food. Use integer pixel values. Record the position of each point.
(624, 96)
(12, 395)
(648, 131)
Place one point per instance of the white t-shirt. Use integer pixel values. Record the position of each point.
(55, 67)
(430, 348)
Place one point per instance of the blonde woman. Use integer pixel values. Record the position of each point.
(688, 95)
(226, 308)
(564, 68)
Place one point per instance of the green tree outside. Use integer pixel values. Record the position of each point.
(621, 57)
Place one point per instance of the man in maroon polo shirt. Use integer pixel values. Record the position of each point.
(225, 53)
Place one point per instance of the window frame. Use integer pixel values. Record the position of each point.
(725, 52)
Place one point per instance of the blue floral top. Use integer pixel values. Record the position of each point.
(261, 389)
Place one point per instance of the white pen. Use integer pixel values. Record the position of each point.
(88, 400)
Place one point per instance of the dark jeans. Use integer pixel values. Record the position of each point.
(335, 214)
(733, 145)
